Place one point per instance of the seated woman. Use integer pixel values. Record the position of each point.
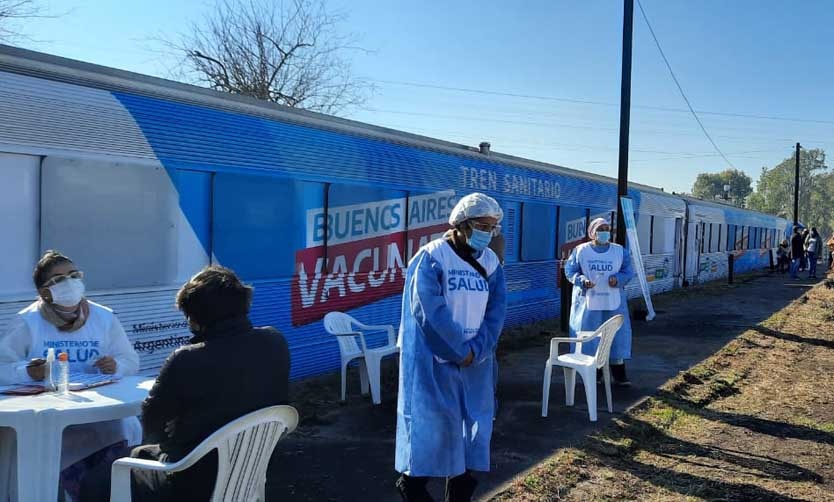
(228, 369)
(94, 340)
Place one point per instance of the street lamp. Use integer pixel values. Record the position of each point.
(727, 192)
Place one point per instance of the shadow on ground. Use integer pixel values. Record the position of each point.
(345, 451)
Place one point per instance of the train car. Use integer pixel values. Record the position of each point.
(143, 181)
(717, 231)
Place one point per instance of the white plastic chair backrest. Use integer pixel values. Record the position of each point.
(606, 333)
(244, 448)
(338, 323)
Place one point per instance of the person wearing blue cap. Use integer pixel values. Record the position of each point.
(454, 304)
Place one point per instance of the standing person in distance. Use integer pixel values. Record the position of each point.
(803, 264)
(813, 246)
(454, 303)
(797, 250)
(830, 245)
(599, 271)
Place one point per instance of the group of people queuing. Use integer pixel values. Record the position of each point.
(803, 252)
(454, 304)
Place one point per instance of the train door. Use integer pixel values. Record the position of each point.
(679, 244)
(701, 242)
(692, 250)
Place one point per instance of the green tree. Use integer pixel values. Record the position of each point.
(775, 187)
(711, 185)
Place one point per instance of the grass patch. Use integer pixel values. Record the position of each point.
(827, 427)
(751, 422)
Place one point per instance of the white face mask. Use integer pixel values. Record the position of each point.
(67, 293)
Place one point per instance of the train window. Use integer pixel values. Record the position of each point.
(572, 229)
(702, 228)
(713, 237)
(19, 222)
(510, 226)
(644, 232)
(732, 238)
(268, 227)
(663, 235)
(538, 232)
(95, 210)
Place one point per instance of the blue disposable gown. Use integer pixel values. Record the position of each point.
(444, 412)
(582, 319)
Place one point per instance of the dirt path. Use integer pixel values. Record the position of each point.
(344, 451)
(755, 421)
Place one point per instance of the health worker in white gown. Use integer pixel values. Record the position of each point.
(599, 271)
(94, 340)
(454, 304)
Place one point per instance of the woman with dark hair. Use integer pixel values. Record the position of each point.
(228, 369)
(63, 319)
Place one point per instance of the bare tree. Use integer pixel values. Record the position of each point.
(290, 53)
(11, 11)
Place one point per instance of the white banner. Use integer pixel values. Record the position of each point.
(636, 256)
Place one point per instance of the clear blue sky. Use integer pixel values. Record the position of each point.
(758, 57)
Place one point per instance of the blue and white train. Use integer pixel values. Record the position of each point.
(143, 181)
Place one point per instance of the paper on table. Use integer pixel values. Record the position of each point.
(81, 381)
(78, 381)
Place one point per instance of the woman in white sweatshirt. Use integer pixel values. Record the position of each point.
(94, 340)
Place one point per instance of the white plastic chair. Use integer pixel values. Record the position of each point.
(347, 330)
(587, 366)
(244, 447)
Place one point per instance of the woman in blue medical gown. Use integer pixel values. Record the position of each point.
(599, 271)
(452, 315)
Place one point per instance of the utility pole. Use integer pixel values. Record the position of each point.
(625, 116)
(796, 189)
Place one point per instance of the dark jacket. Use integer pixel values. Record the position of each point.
(797, 246)
(225, 372)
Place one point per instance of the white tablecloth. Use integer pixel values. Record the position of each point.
(40, 421)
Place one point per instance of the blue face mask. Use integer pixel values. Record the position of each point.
(603, 237)
(479, 239)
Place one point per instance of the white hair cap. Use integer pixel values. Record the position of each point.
(595, 224)
(475, 205)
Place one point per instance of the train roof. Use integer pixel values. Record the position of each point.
(40, 65)
(729, 209)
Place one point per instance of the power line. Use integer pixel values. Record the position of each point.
(665, 132)
(683, 94)
(597, 103)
